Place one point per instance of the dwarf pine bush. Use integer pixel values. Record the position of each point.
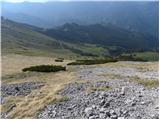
(45, 68)
(92, 62)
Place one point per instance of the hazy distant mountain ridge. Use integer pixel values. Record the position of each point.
(135, 16)
(103, 35)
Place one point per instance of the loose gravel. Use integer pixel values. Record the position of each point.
(125, 99)
(19, 89)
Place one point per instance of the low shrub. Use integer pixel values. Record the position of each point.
(45, 68)
(92, 62)
(59, 60)
(131, 58)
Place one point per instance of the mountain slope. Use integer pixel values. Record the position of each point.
(103, 35)
(140, 16)
(73, 40)
(23, 39)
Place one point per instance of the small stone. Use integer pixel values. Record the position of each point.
(157, 107)
(88, 111)
(123, 111)
(155, 116)
(108, 113)
(69, 108)
(92, 117)
(123, 91)
(140, 95)
(2, 100)
(102, 110)
(102, 95)
(52, 114)
(74, 106)
(93, 106)
(102, 102)
(120, 117)
(114, 116)
(134, 98)
(112, 112)
(96, 94)
(106, 104)
(128, 101)
(138, 117)
(131, 109)
(17, 88)
(133, 103)
(143, 103)
(102, 115)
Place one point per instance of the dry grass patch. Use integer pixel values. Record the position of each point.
(61, 99)
(153, 66)
(12, 63)
(150, 83)
(21, 77)
(111, 75)
(29, 106)
(149, 66)
(146, 82)
(93, 89)
(83, 81)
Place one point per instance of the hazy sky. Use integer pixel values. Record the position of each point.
(27, 0)
(67, 0)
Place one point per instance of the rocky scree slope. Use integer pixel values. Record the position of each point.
(104, 97)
